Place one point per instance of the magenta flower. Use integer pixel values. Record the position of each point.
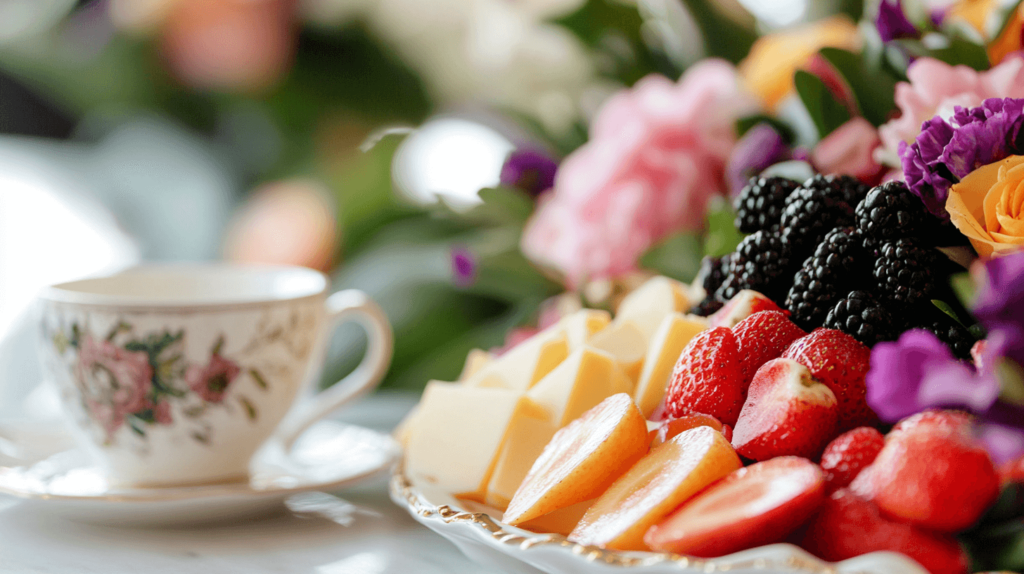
(464, 266)
(529, 170)
(760, 148)
(892, 23)
(944, 151)
(211, 380)
(1000, 303)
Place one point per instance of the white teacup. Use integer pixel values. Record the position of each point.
(178, 373)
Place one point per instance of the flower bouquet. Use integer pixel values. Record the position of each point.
(853, 334)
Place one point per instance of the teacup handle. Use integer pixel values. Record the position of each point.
(348, 305)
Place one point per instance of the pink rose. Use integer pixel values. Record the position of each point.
(114, 382)
(849, 150)
(656, 154)
(212, 380)
(935, 88)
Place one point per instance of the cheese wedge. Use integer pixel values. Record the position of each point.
(459, 431)
(523, 444)
(626, 343)
(475, 361)
(647, 305)
(583, 380)
(525, 364)
(668, 343)
(582, 325)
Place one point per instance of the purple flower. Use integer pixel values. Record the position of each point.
(892, 23)
(529, 170)
(945, 151)
(464, 266)
(758, 149)
(919, 372)
(1000, 304)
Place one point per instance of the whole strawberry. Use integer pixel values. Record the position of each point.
(841, 363)
(847, 526)
(849, 454)
(935, 476)
(934, 419)
(787, 412)
(708, 378)
(764, 336)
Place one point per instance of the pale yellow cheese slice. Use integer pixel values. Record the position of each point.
(582, 381)
(525, 364)
(626, 343)
(649, 304)
(458, 433)
(581, 326)
(523, 444)
(475, 361)
(668, 342)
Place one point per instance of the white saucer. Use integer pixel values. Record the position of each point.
(329, 456)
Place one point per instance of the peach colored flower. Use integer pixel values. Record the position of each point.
(988, 207)
(768, 69)
(1011, 41)
(936, 88)
(849, 149)
(656, 154)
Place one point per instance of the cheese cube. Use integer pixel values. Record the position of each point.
(647, 305)
(580, 326)
(525, 364)
(669, 340)
(523, 445)
(626, 343)
(459, 432)
(582, 381)
(475, 361)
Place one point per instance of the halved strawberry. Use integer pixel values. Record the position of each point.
(849, 454)
(743, 305)
(757, 505)
(673, 426)
(764, 336)
(848, 526)
(708, 378)
(841, 363)
(787, 412)
(935, 476)
(935, 419)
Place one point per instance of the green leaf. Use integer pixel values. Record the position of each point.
(826, 113)
(721, 236)
(725, 35)
(947, 309)
(250, 410)
(256, 376)
(874, 90)
(964, 288)
(677, 257)
(958, 51)
(615, 31)
(502, 205)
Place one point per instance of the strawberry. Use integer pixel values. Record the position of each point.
(848, 454)
(743, 305)
(937, 477)
(1012, 471)
(756, 505)
(787, 412)
(673, 426)
(848, 526)
(708, 378)
(935, 418)
(762, 337)
(841, 363)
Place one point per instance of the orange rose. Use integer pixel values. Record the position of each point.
(1009, 39)
(768, 69)
(988, 207)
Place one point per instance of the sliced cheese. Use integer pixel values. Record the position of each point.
(582, 381)
(523, 444)
(459, 432)
(668, 343)
(525, 364)
(626, 343)
(580, 326)
(401, 432)
(649, 304)
(475, 361)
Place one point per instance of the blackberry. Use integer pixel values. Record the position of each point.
(713, 271)
(854, 190)
(761, 262)
(814, 209)
(759, 205)
(953, 334)
(862, 317)
(708, 306)
(890, 212)
(836, 266)
(905, 272)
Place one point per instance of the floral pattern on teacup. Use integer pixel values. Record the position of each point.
(134, 381)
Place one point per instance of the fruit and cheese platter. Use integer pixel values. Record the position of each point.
(726, 424)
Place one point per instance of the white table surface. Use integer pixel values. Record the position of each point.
(368, 536)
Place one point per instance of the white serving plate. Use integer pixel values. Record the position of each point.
(493, 544)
